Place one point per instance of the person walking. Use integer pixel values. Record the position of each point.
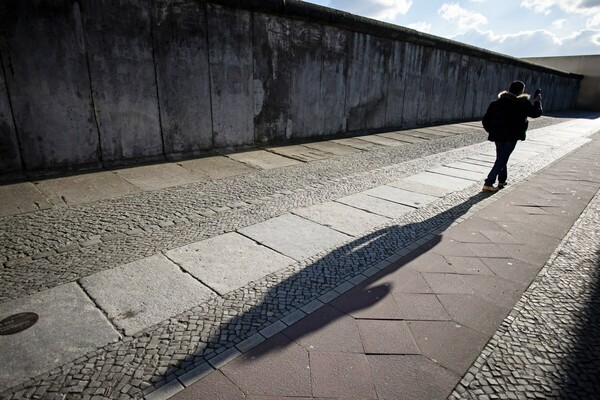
(506, 123)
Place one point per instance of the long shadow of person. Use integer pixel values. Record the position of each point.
(326, 273)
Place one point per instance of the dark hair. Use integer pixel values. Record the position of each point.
(516, 88)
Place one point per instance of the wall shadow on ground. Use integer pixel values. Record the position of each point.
(582, 366)
(318, 278)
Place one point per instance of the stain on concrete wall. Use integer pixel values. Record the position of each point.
(182, 74)
(231, 76)
(43, 52)
(10, 155)
(121, 81)
(120, 51)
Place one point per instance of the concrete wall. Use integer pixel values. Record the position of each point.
(91, 83)
(588, 66)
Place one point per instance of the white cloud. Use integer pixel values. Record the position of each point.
(420, 26)
(559, 23)
(535, 43)
(386, 10)
(594, 21)
(586, 7)
(464, 19)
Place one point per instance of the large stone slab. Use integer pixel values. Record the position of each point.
(217, 167)
(228, 262)
(469, 166)
(459, 173)
(375, 205)
(153, 177)
(263, 159)
(403, 137)
(400, 196)
(343, 218)
(70, 325)
(333, 148)
(294, 236)
(358, 143)
(85, 188)
(441, 181)
(143, 293)
(301, 153)
(383, 141)
(420, 188)
(20, 198)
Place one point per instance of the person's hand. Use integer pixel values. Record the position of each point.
(538, 97)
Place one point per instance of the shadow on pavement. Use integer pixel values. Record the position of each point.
(325, 274)
(582, 366)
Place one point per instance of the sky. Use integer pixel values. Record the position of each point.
(519, 28)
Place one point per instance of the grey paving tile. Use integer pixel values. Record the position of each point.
(494, 289)
(383, 141)
(277, 367)
(451, 345)
(400, 196)
(386, 337)
(475, 176)
(424, 307)
(420, 188)
(166, 391)
(228, 262)
(69, 326)
(446, 283)
(343, 218)
(263, 159)
(300, 153)
(405, 280)
(341, 375)
(217, 167)
(159, 176)
(411, 376)
(474, 312)
(214, 386)
(19, 198)
(294, 236)
(143, 293)
(358, 144)
(512, 270)
(333, 148)
(441, 181)
(376, 205)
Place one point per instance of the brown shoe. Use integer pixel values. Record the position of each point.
(487, 188)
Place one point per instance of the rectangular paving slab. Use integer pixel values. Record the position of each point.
(263, 159)
(21, 197)
(85, 188)
(375, 205)
(358, 143)
(294, 236)
(459, 173)
(341, 217)
(420, 188)
(217, 167)
(377, 139)
(441, 181)
(300, 153)
(469, 167)
(403, 137)
(333, 148)
(401, 196)
(143, 293)
(229, 261)
(159, 176)
(69, 326)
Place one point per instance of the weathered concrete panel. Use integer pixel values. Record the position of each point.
(272, 64)
(305, 111)
(440, 89)
(230, 52)
(412, 61)
(43, 52)
(429, 66)
(121, 63)
(396, 86)
(10, 155)
(333, 80)
(452, 88)
(181, 56)
(367, 89)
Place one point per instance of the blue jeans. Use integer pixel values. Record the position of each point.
(503, 152)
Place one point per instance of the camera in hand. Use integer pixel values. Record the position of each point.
(537, 92)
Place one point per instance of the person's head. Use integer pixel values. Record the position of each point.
(517, 88)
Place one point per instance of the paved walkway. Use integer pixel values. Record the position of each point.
(226, 284)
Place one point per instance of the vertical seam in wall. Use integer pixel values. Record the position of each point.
(322, 125)
(151, 4)
(89, 73)
(254, 135)
(464, 100)
(390, 65)
(210, 99)
(348, 38)
(12, 114)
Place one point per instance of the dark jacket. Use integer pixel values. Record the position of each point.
(506, 118)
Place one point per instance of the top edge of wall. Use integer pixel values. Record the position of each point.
(319, 14)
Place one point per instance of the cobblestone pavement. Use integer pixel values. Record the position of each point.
(53, 247)
(549, 345)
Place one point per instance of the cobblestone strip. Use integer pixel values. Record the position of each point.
(43, 233)
(208, 334)
(549, 345)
